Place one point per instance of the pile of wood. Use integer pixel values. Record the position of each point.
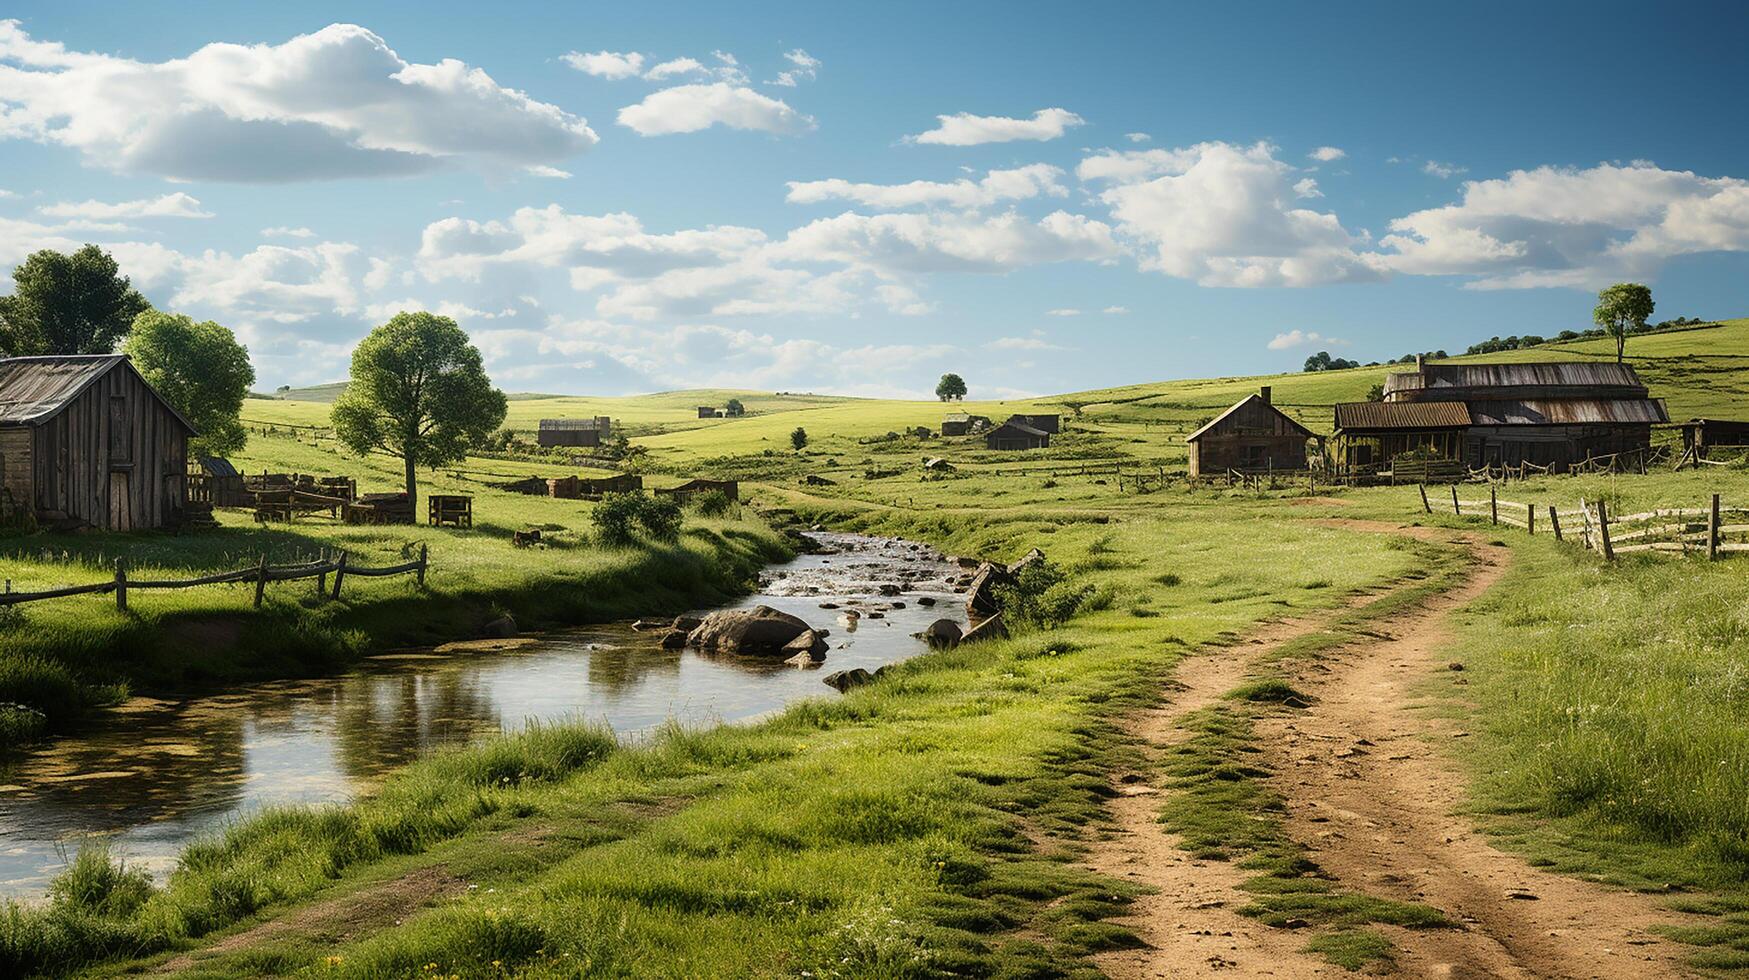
(380, 508)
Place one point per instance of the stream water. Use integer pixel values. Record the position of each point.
(156, 774)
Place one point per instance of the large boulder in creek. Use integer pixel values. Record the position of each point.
(992, 628)
(981, 592)
(943, 634)
(760, 631)
(808, 643)
(844, 680)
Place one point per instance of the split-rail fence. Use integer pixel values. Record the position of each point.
(1713, 530)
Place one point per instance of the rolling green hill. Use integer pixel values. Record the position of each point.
(1699, 372)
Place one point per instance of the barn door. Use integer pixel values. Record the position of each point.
(120, 514)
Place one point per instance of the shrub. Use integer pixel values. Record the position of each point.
(713, 503)
(620, 516)
(99, 884)
(1041, 597)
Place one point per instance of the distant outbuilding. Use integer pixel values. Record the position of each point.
(588, 432)
(1012, 435)
(962, 424)
(1252, 437)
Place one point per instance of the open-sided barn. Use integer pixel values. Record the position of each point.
(1252, 437)
(84, 439)
(1550, 414)
(1012, 435)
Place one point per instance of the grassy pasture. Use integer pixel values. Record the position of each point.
(930, 822)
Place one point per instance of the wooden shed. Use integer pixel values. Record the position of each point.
(1052, 424)
(962, 424)
(1012, 435)
(1252, 437)
(1700, 435)
(84, 439)
(588, 432)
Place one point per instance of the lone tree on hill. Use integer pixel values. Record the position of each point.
(68, 304)
(734, 407)
(199, 368)
(1622, 309)
(799, 438)
(951, 387)
(418, 391)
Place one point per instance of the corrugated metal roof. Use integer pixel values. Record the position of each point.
(1194, 436)
(34, 388)
(1569, 411)
(1564, 374)
(1402, 415)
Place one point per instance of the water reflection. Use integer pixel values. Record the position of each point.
(159, 773)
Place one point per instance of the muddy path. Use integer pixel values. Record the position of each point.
(1371, 785)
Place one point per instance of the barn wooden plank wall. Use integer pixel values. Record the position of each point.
(78, 455)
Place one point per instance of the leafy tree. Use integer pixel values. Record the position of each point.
(1622, 309)
(620, 516)
(734, 407)
(1322, 361)
(1376, 393)
(68, 304)
(951, 387)
(418, 391)
(199, 368)
(799, 438)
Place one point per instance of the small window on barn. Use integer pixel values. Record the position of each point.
(121, 432)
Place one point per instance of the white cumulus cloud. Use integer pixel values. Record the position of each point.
(965, 129)
(1327, 154)
(336, 103)
(613, 65)
(1301, 338)
(690, 108)
(805, 68)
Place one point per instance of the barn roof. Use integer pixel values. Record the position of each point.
(1198, 434)
(1402, 415)
(217, 466)
(1554, 374)
(1569, 411)
(34, 388)
(1020, 427)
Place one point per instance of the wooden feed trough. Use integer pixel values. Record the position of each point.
(449, 510)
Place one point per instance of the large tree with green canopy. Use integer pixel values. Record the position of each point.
(419, 392)
(68, 304)
(199, 368)
(1623, 309)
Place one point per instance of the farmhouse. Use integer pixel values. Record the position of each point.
(1252, 437)
(575, 432)
(961, 424)
(1553, 415)
(84, 439)
(1012, 435)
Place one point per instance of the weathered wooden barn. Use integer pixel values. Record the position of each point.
(962, 424)
(692, 488)
(1252, 437)
(709, 412)
(588, 432)
(85, 440)
(1549, 414)
(1012, 435)
(1700, 435)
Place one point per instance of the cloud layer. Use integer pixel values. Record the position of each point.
(336, 103)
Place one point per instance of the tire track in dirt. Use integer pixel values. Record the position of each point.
(1371, 790)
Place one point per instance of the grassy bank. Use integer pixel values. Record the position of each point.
(60, 658)
(924, 824)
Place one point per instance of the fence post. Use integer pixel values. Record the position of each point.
(1493, 505)
(424, 558)
(1603, 529)
(322, 577)
(1555, 522)
(339, 573)
(261, 580)
(1424, 504)
(1530, 519)
(1455, 509)
(1712, 530)
(121, 586)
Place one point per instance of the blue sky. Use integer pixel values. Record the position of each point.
(622, 198)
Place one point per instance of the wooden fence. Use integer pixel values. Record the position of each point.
(260, 574)
(1712, 530)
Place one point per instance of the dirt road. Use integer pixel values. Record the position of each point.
(1371, 784)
